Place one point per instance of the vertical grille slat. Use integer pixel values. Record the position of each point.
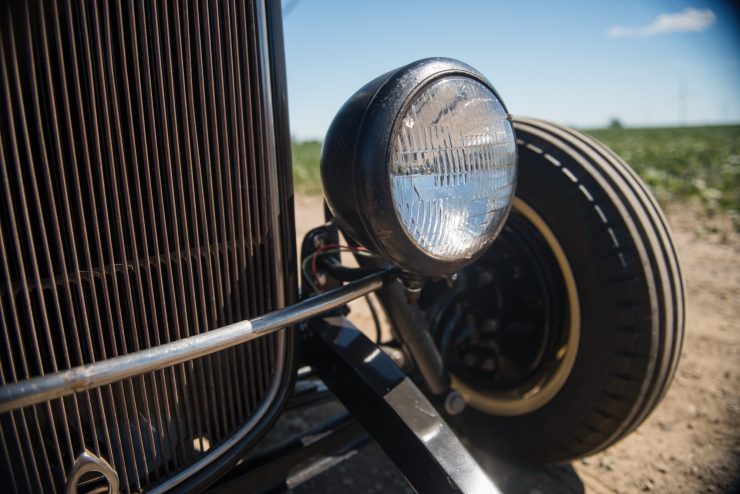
(58, 228)
(175, 177)
(63, 186)
(238, 204)
(200, 217)
(207, 91)
(229, 94)
(193, 156)
(80, 215)
(171, 237)
(136, 208)
(102, 235)
(6, 455)
(148, 454)
(151, 337)
(245, 258)
(10, 87)
(116, 231)
(221, 151)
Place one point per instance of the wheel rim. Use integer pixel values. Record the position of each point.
(531, 356)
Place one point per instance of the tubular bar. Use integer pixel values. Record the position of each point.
(43, 388)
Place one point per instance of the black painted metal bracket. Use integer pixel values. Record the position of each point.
(392, 410)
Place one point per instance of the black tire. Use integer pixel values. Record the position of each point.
(631, 292)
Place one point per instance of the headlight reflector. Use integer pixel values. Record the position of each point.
(453, 168)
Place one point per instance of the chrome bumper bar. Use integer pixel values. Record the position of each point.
(44, 388)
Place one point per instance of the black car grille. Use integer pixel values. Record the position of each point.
(136, 208)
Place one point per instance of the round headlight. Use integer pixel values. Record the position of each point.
(420, 166)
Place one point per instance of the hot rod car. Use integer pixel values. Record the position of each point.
(158, 318)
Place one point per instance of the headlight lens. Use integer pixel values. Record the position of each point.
(453, 168)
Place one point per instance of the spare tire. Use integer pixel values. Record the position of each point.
(567, 333)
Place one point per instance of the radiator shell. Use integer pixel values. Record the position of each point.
(145, 196)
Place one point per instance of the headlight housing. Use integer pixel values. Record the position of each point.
(420, 166)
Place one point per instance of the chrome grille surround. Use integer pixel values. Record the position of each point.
(139, 204)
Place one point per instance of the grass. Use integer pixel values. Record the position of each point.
(306, 175)
(679, 164)
(683, 163)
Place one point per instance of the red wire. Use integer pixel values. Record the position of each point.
(316, 254)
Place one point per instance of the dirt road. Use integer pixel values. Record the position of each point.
(690, 444)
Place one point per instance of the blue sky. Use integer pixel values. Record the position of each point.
(578, 62)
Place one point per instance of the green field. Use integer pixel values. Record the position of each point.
(682, 163)
(306, 174)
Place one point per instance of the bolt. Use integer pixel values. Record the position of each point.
(454, 403)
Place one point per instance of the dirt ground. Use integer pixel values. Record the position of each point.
(691, 442)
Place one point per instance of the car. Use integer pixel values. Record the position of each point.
(158, 318)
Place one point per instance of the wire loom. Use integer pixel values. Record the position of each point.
(311, 276)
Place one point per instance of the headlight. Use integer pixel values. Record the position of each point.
(420, 166)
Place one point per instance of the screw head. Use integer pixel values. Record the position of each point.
(454, 403)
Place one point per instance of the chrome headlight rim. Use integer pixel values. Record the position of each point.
(360, 195)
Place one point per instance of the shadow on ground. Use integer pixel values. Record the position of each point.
(370, 470)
